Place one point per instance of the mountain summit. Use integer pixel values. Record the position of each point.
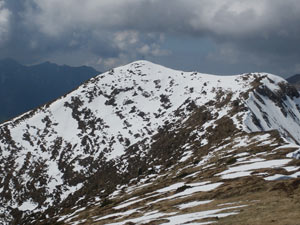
(144, 144)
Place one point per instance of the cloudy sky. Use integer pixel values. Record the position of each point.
(212, 36)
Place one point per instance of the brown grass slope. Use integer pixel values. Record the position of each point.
(260, 201)
(177, 157)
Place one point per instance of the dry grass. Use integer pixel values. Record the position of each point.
(273, 207)
(267, 202)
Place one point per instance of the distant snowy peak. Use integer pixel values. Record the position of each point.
(122, 122)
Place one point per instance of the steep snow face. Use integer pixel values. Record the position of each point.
(273, 106)
(56, 148)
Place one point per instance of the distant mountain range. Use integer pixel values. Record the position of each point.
(294, 80)
(23, 88)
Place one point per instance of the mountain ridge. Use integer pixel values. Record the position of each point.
(135, 121)
(26, 87)
(295, 81)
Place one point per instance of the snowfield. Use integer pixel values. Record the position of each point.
(116, 127)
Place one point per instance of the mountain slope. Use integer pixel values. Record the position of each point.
(23, 88)
(181, 132)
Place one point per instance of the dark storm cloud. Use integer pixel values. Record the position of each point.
(262, 33)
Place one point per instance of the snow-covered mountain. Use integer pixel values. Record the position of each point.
(135, 125)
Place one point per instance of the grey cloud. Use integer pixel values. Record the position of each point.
(112, 32)
(227, 17)
(5, 15)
